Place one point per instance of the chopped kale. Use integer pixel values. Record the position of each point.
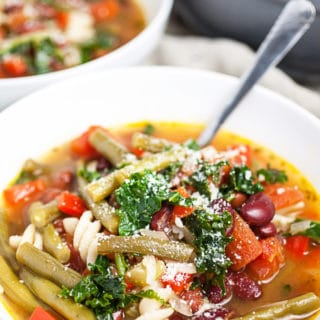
(140, 197)
(149, 129)
(101, 41)
(104, 292)
(209, 229)
(171, 170)
(89, 175)
(271, 175)
(241, 179)
(199, 179)
(192, 145)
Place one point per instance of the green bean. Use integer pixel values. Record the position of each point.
(303, 305)
(42, 214)
(49, 292)
(104, 186)
(14, 289)
(112, 150)
(121, 264)
(5, 250)
(148, 143)
(101, 210)
(47, 266)
(166, 249)
(53, 244)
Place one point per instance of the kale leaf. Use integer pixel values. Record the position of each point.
(241, 179)
(89, 175)
(192, 145)
(209, 229)
(103, 292)
(171, 170)
(199, 179)
(149, 129)
(140, 197)
(271, 175)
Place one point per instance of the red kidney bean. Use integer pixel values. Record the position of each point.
(214, 293)
(161, 220)
(103, 164)
(238, 200)
(268, 230)
(219, 206)
(214, 314)
(244, 287)
(258, 210)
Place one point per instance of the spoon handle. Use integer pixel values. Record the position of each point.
(294, 20)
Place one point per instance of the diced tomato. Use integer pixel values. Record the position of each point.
(182, 211)
(24, 193)
(41, 314)
(71, 204)
(104, 10)
(283, 196)
(16, 20)
(194, 298)
(137, 151)
(270, 260)
(178, 281)
(297, 246)
(15, 66)
(62, 18)
(81, 146)
(240, 155)
(129, 286)
(244, 247)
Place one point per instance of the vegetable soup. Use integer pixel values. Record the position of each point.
(40, 36)
(138, 222)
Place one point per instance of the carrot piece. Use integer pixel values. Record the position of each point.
(41, 314)
(283, 196)
(244, 247)
(24, 193)
(104, 10)
(15, 66)
(62, 19)
(270, 260)
(81, 146)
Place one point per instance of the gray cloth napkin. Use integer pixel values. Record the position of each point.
(229, 57)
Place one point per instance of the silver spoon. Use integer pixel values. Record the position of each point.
(294, 20)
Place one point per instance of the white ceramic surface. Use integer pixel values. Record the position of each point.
(60, 112)
(132, 53)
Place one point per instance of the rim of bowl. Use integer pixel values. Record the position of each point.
(154, 23)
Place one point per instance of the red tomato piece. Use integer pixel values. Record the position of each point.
(105, 10)
(71, 204)
(298, 245)
(178, 281)
(15, 66)
(24, 193)
(137, 151)
(81, 146)
(41, 314)
(182, 211)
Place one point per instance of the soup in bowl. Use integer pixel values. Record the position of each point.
(46, 41)
(115, 212)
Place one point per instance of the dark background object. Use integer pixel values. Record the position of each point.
(249, 21)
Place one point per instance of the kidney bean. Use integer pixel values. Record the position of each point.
(244, 287)
(214, 293)
(258, 210)
(214, 314)
(268, 230)
(161, 220)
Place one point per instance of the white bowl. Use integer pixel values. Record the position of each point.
(132, 53)
(62, 111)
